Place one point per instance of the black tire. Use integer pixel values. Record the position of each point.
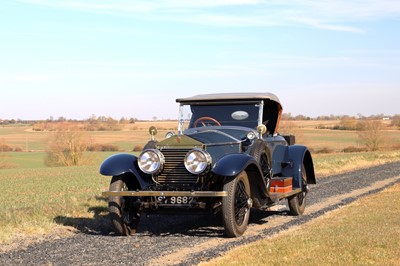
(236, 206)
(297, 203)
(125, 216)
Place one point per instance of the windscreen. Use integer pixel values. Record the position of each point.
(244, 115)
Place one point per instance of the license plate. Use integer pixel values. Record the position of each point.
(175, 200)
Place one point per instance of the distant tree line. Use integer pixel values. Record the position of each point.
(346, 122)
(104, 119)
(289, 116)
(92, 119)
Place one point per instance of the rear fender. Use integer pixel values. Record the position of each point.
(297, 155)
(123, 163)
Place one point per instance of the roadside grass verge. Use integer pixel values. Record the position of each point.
(366, 232)
(331, 164)
(31, 199)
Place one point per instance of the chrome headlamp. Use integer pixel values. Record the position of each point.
(251, 135)
(151, 161)
(197, 161)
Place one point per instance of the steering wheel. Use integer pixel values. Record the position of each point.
(206, 118)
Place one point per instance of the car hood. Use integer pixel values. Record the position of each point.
(218, 141)
(218, 134)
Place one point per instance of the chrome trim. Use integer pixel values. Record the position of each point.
(174, 170)
(181, 120)
(260, 115)
(165, 193)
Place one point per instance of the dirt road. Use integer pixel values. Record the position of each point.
(189, 239)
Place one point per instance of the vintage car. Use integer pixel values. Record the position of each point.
(226, 157)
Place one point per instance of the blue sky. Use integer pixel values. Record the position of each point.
(134, 58)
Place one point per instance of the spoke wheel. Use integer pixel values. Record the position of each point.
(125, 217)
(236, 206)
(297, 203)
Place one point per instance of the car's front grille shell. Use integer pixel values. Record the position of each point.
(174, 171)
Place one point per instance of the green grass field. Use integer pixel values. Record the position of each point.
(36, 199)
(33, 198)
(26, 159)
(23, 160)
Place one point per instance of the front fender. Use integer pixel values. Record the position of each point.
(232, 164)
(123, 163)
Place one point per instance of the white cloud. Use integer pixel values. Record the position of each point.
(335, 15)
(324, 25)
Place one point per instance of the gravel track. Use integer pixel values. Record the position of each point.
(190, 239)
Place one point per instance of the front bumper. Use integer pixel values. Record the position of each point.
(165, 193)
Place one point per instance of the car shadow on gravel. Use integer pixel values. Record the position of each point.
(199, 225)
(98, 225)
(150, 225)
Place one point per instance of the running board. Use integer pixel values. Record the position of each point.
(275, 196)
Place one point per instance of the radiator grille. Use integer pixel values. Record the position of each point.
(174, 171)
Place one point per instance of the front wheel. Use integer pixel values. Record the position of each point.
(297, 203)
(236, 206)
(125, 216)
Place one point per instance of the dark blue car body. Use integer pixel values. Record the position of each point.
(227, 159)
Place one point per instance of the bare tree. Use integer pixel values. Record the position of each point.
(370, 134)
(67, 147)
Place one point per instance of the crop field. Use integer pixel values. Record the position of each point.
(36, 199)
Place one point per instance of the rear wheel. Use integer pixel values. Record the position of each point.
(236, 206)
(125, 216)
(297, 203)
